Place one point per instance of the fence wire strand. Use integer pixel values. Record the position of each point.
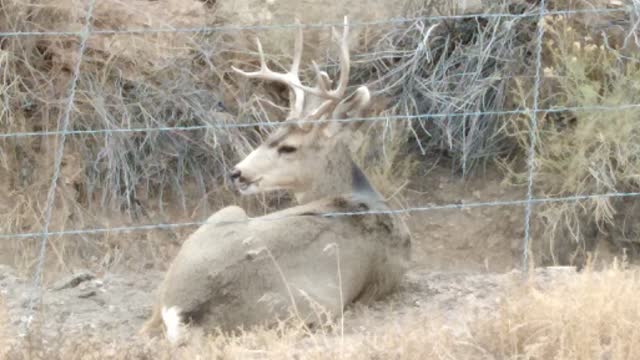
(533, 137)
(452, 206)
(237, 28)
(276, 123)
(63, 124)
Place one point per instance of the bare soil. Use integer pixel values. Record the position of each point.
(462, 262)
(113, 307)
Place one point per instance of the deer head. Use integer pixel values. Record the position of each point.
(299, 155)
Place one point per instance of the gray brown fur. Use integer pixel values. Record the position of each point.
(221, 286)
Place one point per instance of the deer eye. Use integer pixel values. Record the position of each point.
(286, 149)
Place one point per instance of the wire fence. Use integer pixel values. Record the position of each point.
(398, 21)
(63, 128)
(533, 131)
(63, 124)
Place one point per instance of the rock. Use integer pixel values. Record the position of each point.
(73, 280)
(87, 294)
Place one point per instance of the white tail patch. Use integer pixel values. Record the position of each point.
(173, 323)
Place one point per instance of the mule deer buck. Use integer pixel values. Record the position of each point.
(237, 271)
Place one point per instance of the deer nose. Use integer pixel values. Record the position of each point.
(236, 174)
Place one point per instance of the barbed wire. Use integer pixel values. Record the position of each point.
(451, 206)
(63, 123)
(277, 123)
(533, 136)
(236, 28)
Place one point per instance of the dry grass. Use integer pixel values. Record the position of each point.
(585, 152)
(103, 176)
(183, 79)
(590, 315)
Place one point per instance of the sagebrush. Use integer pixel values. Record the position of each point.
(591, 148)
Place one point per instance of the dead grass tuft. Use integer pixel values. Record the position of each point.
(584, 152)
(591, 315)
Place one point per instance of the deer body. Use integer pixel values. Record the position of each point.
(237, 272)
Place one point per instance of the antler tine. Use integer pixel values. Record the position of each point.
(290, 78)
(322, 78)
(294, 74)
(324, 82)
(297, 50)
(345, 62)
(321, 110)
(264, 72)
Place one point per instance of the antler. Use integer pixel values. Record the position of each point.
(323, 80)
(291, 78)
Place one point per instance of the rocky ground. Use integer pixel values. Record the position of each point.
(116, 304)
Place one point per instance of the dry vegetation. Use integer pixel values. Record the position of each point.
(591, 315)
(463, 66)
(168, 79)
(585, 316)
(585, 152)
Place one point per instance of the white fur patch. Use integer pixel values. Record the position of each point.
(172, 323)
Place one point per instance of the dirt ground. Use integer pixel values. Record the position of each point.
(114, 306)
(462, 260)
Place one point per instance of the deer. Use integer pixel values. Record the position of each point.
(307, 261)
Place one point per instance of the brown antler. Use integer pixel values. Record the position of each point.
(291, 78)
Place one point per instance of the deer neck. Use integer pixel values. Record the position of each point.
(341, 175)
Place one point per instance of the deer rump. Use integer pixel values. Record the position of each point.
(231, 274)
